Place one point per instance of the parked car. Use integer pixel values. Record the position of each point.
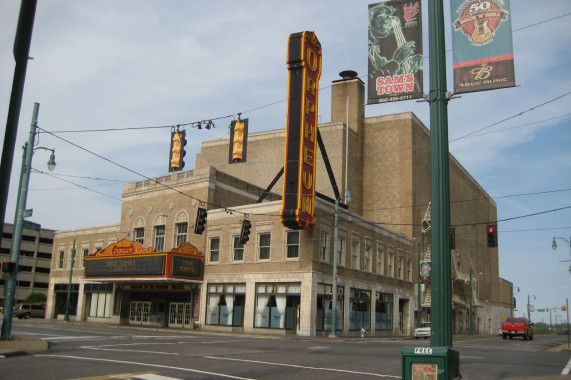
(423, 331)
(28, 310)
(517, 326)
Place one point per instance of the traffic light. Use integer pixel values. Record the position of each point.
(245, 234)
(492, 235)
(452, 238)
(200, 224)
(178, 142)
(8, 266)
(238, 140)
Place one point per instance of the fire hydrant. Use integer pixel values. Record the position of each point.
(363, 333)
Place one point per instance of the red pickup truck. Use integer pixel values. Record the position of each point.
(517, 326)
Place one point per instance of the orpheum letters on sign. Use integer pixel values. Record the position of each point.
(304, 67)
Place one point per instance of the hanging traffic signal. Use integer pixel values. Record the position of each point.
(178, 142)
(492, 235)
(238, 141)
(200, 224)
(245, 234)
(452, 238)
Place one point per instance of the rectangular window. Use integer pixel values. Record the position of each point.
(360, 313)
(264, 242)
(181, 230)
(214, 249)
(292, 242)
(139, 235)
(60, 259)
(355, 252)
(368, 254)
(409, 270)
(399, 268)
(391, 262)
(160, 238)
(85, 252)
(238, 249)
(324, 317)
(323, 246)
(383, 312)
(380, 259)
(101, 304)
(341, 245)
(225, 304)
(275, 304)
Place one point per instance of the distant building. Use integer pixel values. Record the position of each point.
(35, 261)
(280, 280)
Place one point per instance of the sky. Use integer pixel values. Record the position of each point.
(142, 64)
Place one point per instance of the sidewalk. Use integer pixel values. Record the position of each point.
(21, 345)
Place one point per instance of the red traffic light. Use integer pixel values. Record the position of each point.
(491, 229)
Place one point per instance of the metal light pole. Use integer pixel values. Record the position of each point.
(441, 304)
(528, 315)
(12, 276)
(419, 295)
(68, 301)
(335, 259)
(471, 317)
(22, 44)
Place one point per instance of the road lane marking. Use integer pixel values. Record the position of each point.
(303, 367)
(146, 365)
(567, 368)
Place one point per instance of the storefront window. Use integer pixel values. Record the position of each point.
(277, 305)
(383, 312)
(100, 299)
(225, 304)
(360, 313)
(324, 305)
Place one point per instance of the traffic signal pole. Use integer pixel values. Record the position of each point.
(441, 304)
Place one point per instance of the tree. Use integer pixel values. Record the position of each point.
(36, 297)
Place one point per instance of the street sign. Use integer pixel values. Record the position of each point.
(28, 212)
(540, 310)
(31, 225)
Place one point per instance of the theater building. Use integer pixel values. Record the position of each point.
(280, 281)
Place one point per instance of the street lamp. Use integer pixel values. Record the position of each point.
(528, 315)
(12, 275)
(512, 298)
(335, 259)
(480, 272)
(554, 246)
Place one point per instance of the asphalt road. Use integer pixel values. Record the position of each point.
(82, 350)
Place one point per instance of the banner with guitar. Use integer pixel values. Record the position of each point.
(395, 51)
(482, 45)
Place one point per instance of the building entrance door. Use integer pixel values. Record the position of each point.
(140, 312)
(180, 314)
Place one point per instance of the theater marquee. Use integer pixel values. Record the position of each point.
(127, 261)
(304, 68)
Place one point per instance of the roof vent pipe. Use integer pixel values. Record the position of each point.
(348, 74)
